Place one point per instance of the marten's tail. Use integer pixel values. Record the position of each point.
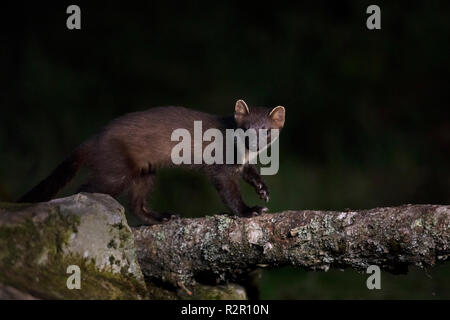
(50, 186)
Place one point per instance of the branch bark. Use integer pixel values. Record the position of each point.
(38, 242)
(222, 247)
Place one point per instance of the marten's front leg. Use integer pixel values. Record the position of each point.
(228, 188)
(251, 176)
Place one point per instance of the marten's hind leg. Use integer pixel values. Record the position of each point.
(138, 192)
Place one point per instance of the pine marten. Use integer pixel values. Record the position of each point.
(126, 154)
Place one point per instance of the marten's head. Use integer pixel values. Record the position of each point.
(258, 118)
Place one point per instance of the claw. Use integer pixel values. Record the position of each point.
(264, 195)
(262, 191)
(167, 216)
(256, 211)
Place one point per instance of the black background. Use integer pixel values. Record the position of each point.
(367, 111)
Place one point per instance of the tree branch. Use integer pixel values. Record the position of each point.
(223, 247)
(38, 242)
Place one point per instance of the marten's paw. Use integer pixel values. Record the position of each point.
(263, 191)
(150, 217)
(149, 221)
(167, 215)
(255, 211)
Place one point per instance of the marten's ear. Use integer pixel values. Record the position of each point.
(241, 108)
(277, 116)
(240, 111)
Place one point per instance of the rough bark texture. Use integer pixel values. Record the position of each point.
(199, 258)
(222, 247)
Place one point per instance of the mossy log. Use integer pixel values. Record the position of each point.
(199, 258)
(223, 248)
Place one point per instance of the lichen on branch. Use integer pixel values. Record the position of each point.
(202, 257)
(226, 247)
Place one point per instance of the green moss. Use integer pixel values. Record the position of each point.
(112, 244)
(27, 250)
(124, 234)
(223, 222)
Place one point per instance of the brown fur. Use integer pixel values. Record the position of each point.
(126, 154)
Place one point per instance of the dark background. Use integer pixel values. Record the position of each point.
(367, 111)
